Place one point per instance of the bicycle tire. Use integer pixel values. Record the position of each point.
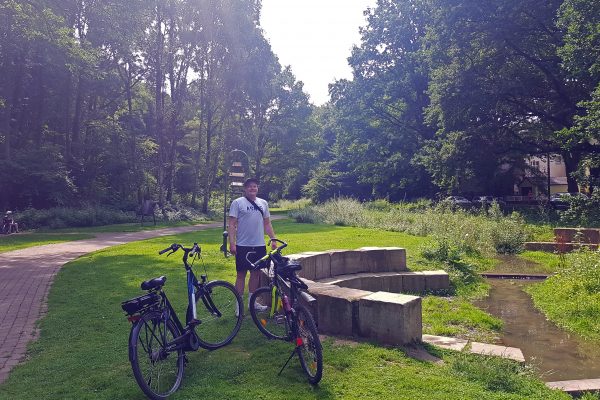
(273, 326)
(158, 372)
(216, 331)
(310, 352)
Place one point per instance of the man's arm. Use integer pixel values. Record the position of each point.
(232, 231)
(269, 230)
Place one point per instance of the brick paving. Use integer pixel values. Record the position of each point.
(25, 279)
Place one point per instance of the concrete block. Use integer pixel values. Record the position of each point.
(394, 283)
(337, 309)
(413, 282)
(315, 265)
(436, 280)
(390, 318)
(577, 235)
(384, 259)
(346, 262)
(308, 270)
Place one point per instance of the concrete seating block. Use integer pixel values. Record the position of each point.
(413, 282)
(337, 309)
(346, 262)
(436, 280)
(395, 283)
(390, 318)
(315, 265)
(384, 259)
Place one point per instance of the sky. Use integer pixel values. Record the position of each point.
(315, 37)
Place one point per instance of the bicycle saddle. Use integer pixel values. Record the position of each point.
(155, 283)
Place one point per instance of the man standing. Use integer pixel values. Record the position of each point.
(249, 219)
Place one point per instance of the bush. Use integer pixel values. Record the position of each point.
(582, 211)
(62, 217)
(293, 204)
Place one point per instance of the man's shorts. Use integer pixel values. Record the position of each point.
(241, 264)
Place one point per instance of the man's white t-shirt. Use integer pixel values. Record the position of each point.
(250, 223)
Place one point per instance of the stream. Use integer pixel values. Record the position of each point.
(557, 354)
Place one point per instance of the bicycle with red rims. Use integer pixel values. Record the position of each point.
(277, 313)
(158, 340)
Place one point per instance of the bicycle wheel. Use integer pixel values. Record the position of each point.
(310, 352)
(268, 314)
(157, 370)
(220, 324)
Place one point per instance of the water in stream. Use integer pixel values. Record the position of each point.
(557, 354)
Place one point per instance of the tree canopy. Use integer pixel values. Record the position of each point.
(110, 102)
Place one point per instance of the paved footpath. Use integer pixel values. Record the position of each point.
(25, 279)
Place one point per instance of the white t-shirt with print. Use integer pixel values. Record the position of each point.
(250, 223)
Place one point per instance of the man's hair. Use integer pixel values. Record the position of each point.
(250, 181)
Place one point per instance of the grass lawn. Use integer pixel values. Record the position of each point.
(25, 240)
(82, 351)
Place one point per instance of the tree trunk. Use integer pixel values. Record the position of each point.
(571, 160)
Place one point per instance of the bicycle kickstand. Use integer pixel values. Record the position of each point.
(288, 360)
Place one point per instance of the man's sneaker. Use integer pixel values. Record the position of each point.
(259, 307)
(237, 310)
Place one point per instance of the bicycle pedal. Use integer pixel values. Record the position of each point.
(194, 323)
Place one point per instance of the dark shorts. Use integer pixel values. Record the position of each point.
(241, 264)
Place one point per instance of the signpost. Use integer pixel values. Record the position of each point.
(235, 176)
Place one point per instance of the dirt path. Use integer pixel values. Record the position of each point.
(25, 279)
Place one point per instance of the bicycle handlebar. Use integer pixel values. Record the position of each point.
(195, 249)
(255, 265)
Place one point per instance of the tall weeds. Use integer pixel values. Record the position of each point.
(486, 232)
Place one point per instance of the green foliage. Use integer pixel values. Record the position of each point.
(582, 211)
(489, 232)
(62, 217)
(571, 297)
(464, 275)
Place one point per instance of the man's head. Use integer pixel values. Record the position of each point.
(251, 187)
(250, 181)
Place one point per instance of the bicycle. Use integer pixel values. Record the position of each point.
(279, 316)
(158, 340)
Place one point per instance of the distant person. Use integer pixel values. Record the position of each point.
(249, 219)
(8, 224)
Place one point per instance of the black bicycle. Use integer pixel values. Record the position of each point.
(280, 316)
(158, 340)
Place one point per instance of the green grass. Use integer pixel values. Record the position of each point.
(82, 351)
(456, 317)
(547, 262)
(25, 240)
(571, 298)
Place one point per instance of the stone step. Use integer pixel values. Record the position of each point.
(576, 387)
(394, 282)
(449, 343)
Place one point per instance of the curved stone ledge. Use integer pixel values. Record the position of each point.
(358, 292)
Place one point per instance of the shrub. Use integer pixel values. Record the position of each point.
(582, 211)
(62, 217)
